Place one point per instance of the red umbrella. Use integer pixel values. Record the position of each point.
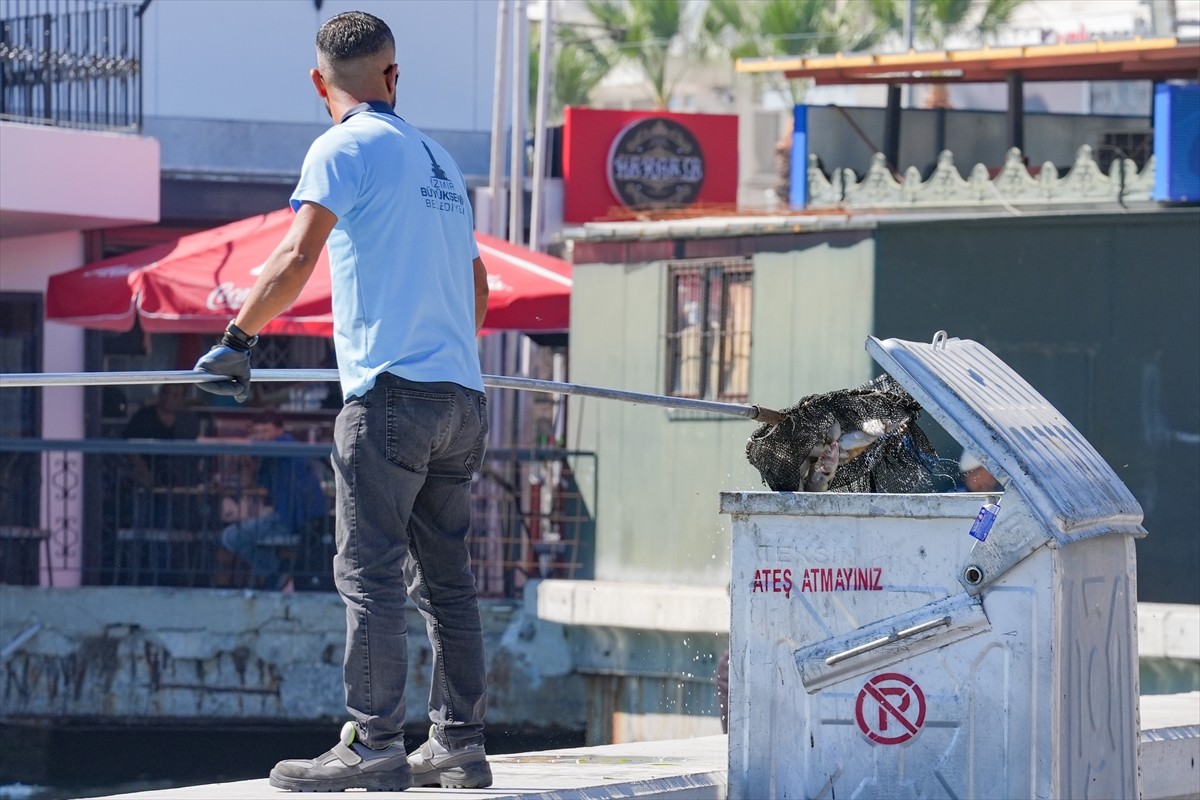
(194, 284)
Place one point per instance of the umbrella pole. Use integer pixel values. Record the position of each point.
(37, 379)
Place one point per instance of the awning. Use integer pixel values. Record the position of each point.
(196, 283)
(1131, 59)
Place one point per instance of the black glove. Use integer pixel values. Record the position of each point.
(230, 358)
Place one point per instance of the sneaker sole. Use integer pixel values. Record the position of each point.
(470, 776)
(372, 782)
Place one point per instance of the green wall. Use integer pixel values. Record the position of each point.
(660, 471)
(1101, 314)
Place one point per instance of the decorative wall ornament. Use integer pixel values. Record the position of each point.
(1013, 185)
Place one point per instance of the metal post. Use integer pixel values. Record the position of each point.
(520, 103)
(44, 62)
(910, 31)
(891, 130)
(1016, 111)
(939, 131)
(496, 215)
(537, 210)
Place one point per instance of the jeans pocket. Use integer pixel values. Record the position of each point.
(475, 457)
(417, 425)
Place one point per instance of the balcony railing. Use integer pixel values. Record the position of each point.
(144, 512)
(75, 63)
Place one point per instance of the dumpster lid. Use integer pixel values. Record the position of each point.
(1002, 420)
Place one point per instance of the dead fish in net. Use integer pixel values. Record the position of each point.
(864, 439)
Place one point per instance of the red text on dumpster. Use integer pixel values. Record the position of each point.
(842, 579)
(819, 579)
(773, 580)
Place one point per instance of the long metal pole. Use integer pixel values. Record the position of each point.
(520, 84)
(537, 210)
(496, 215)
(37, 379)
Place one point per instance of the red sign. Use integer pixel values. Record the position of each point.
(614, 160)
(890, 708)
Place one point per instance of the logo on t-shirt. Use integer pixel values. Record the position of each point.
(437, 168)
(441, 194)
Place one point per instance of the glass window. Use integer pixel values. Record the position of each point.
(20, 351)
(708, 330)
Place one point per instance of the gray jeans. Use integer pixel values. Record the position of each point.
(404, 454)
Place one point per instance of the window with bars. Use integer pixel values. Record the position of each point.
(708, 330)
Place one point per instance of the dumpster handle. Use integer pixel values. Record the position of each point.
(895, 636)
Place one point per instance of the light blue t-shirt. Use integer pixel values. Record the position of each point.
(400, 255)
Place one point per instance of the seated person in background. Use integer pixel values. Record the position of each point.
(294, 497)
(975, 476)
(165, 419)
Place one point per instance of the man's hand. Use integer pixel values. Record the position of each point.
(283, 275)
(230, 358)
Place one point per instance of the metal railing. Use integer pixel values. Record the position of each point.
(142, 512)
(74, 63)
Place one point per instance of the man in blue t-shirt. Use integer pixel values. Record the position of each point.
(295, 499)
(409, 297)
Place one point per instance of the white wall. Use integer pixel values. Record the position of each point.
(249, 59)
(25, 265)
(57, 179)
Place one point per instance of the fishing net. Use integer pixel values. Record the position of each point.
(864, 439)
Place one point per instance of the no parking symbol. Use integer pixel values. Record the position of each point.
(890, 708)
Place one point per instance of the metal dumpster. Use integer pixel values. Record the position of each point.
(879, 650)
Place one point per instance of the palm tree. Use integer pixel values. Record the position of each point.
(936, 21)
(795, 28)
(645, 31)
(939, 20)
(579, 64)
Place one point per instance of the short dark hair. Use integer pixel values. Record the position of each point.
(351, 35)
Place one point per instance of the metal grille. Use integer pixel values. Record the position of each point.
(529, 520)
(85, 504)
(708, 329)
(73, 63)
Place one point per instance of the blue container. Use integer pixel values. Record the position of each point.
(1177, 142)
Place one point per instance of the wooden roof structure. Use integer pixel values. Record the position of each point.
(1155, 59)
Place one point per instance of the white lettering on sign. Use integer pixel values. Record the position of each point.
(119, 271)
(658, 168)
(227, 295)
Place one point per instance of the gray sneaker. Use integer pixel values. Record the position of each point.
(434, 764)
(349, 765)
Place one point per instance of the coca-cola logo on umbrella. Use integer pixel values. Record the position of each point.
(655, 163)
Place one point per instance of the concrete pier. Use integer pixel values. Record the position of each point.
(678, 769)
(695, 769)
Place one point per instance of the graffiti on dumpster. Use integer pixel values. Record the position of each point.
(890, 708)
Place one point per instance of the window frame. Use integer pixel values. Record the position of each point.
(721, 352)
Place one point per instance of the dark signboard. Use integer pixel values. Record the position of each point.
(616, 161)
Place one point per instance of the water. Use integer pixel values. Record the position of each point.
(78, 761)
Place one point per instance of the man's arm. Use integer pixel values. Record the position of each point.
(287, 269)
(481, 293)
(284, 274)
